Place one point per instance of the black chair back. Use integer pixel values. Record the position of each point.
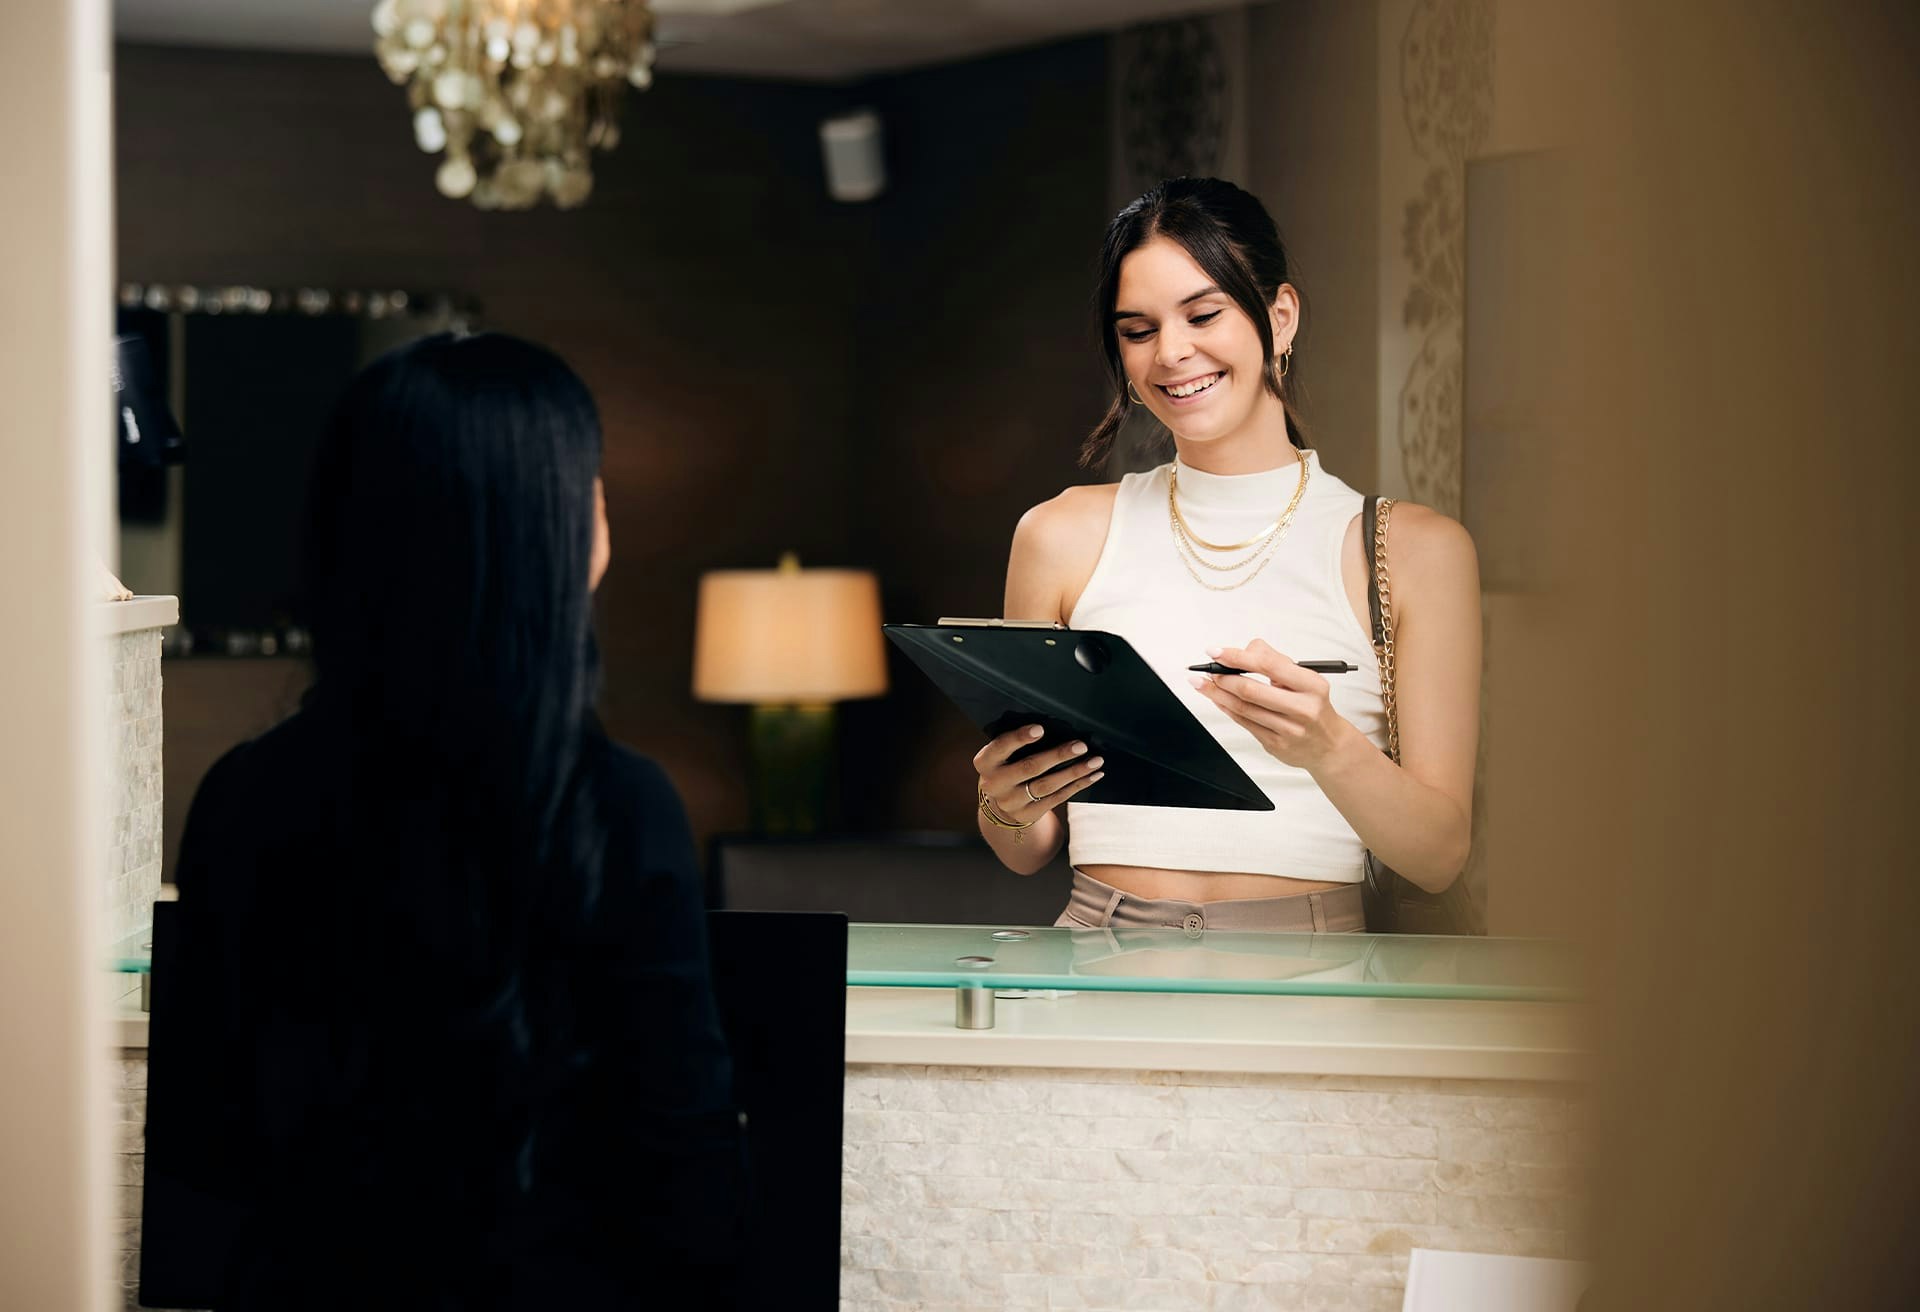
(780, 982)
(185, 1234)
(911, 878)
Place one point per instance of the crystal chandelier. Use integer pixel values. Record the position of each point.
(517, 92)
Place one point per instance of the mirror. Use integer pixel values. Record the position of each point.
(885, 386)
(250, 376)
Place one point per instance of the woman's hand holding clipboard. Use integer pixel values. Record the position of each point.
(1079, 687)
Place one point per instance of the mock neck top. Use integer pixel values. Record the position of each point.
(1144, 589)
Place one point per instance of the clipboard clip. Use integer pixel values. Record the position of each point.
(953, 622)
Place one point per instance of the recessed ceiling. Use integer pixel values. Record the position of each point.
(799, 40)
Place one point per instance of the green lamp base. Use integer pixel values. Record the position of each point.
(793, 769)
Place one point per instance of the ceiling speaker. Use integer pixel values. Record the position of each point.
(850, 144)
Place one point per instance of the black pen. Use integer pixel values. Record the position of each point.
(1318, 667)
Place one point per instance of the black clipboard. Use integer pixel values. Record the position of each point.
(1085, 684)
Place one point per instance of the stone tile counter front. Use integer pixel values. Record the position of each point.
(1230, 1166)
(1227, 1123)
(132, 630)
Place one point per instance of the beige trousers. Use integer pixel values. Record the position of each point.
(1094, 905)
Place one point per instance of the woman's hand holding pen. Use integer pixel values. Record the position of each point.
(1291, 715)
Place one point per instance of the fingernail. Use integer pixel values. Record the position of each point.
(1034, 731)
(1099, 774)
(1199, 681)
(1096, 763)
(1213, 653)
(1079, 749)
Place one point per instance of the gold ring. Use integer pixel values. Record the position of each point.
(1029, 792)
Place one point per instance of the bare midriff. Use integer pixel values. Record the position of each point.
(1203, 885)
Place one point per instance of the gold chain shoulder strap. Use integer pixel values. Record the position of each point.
(1383, 649)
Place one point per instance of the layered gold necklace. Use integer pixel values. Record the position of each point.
(1259, 547)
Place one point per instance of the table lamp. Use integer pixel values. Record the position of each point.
(790, 642)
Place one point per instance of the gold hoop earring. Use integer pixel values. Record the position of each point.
(1286, 360)
(1132, 395)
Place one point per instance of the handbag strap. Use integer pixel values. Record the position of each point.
(1374, 513)
(1451, 911)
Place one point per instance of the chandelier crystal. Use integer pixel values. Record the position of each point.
(518, 93)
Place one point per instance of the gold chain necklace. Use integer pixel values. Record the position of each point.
(1173, 479)
(1184, 536)
(1188, 559)
(1185, 540)
(1199, 541)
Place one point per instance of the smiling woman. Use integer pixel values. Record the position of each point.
(1215, 255)
(1243, 549)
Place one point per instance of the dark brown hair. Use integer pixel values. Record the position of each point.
(1233, 239)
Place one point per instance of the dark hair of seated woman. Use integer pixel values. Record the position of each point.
(443, 944)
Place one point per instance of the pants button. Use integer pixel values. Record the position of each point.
(1193, 922)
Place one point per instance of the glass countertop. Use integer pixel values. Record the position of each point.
(1173, 961)
(1213, 961)
(133, 955)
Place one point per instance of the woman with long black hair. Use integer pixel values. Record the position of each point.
(448, 938)
(1244, 552)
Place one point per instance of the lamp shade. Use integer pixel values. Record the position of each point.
(788, 635)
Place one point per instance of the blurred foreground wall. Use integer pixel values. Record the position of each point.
(1726, 695)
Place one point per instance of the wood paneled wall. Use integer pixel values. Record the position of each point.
(885, 386)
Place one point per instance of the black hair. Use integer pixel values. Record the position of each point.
(1233, 239)
(448, 538)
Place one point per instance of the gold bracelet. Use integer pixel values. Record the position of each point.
(1000, 821)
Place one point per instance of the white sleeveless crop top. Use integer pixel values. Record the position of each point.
(1141, 590)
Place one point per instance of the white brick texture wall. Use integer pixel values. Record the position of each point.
(134, 799)
(996, 1189)
(1001, 1188)
(130, 1162)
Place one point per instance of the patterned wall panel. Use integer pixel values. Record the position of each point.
(1446, 102)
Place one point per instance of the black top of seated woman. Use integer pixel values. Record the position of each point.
(426, 1096)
